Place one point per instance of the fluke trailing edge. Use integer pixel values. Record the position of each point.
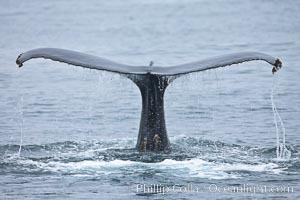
(152, 82)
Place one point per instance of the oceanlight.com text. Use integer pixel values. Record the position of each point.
(212, 188)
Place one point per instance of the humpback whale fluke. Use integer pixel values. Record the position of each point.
(152, 82)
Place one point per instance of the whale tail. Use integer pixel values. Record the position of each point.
(152, 82)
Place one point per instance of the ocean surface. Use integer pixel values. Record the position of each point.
(70, 133)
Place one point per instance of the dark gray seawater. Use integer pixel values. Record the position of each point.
(80, 126)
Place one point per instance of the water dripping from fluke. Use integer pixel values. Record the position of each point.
(282, 152)
(21, 124)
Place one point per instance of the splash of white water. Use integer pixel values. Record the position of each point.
(281, 150)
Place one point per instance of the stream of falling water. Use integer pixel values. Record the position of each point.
(21, 124)
(281, 151)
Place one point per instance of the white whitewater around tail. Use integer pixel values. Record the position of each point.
(282, 152)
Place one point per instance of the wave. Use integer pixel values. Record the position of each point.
(191, 157)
